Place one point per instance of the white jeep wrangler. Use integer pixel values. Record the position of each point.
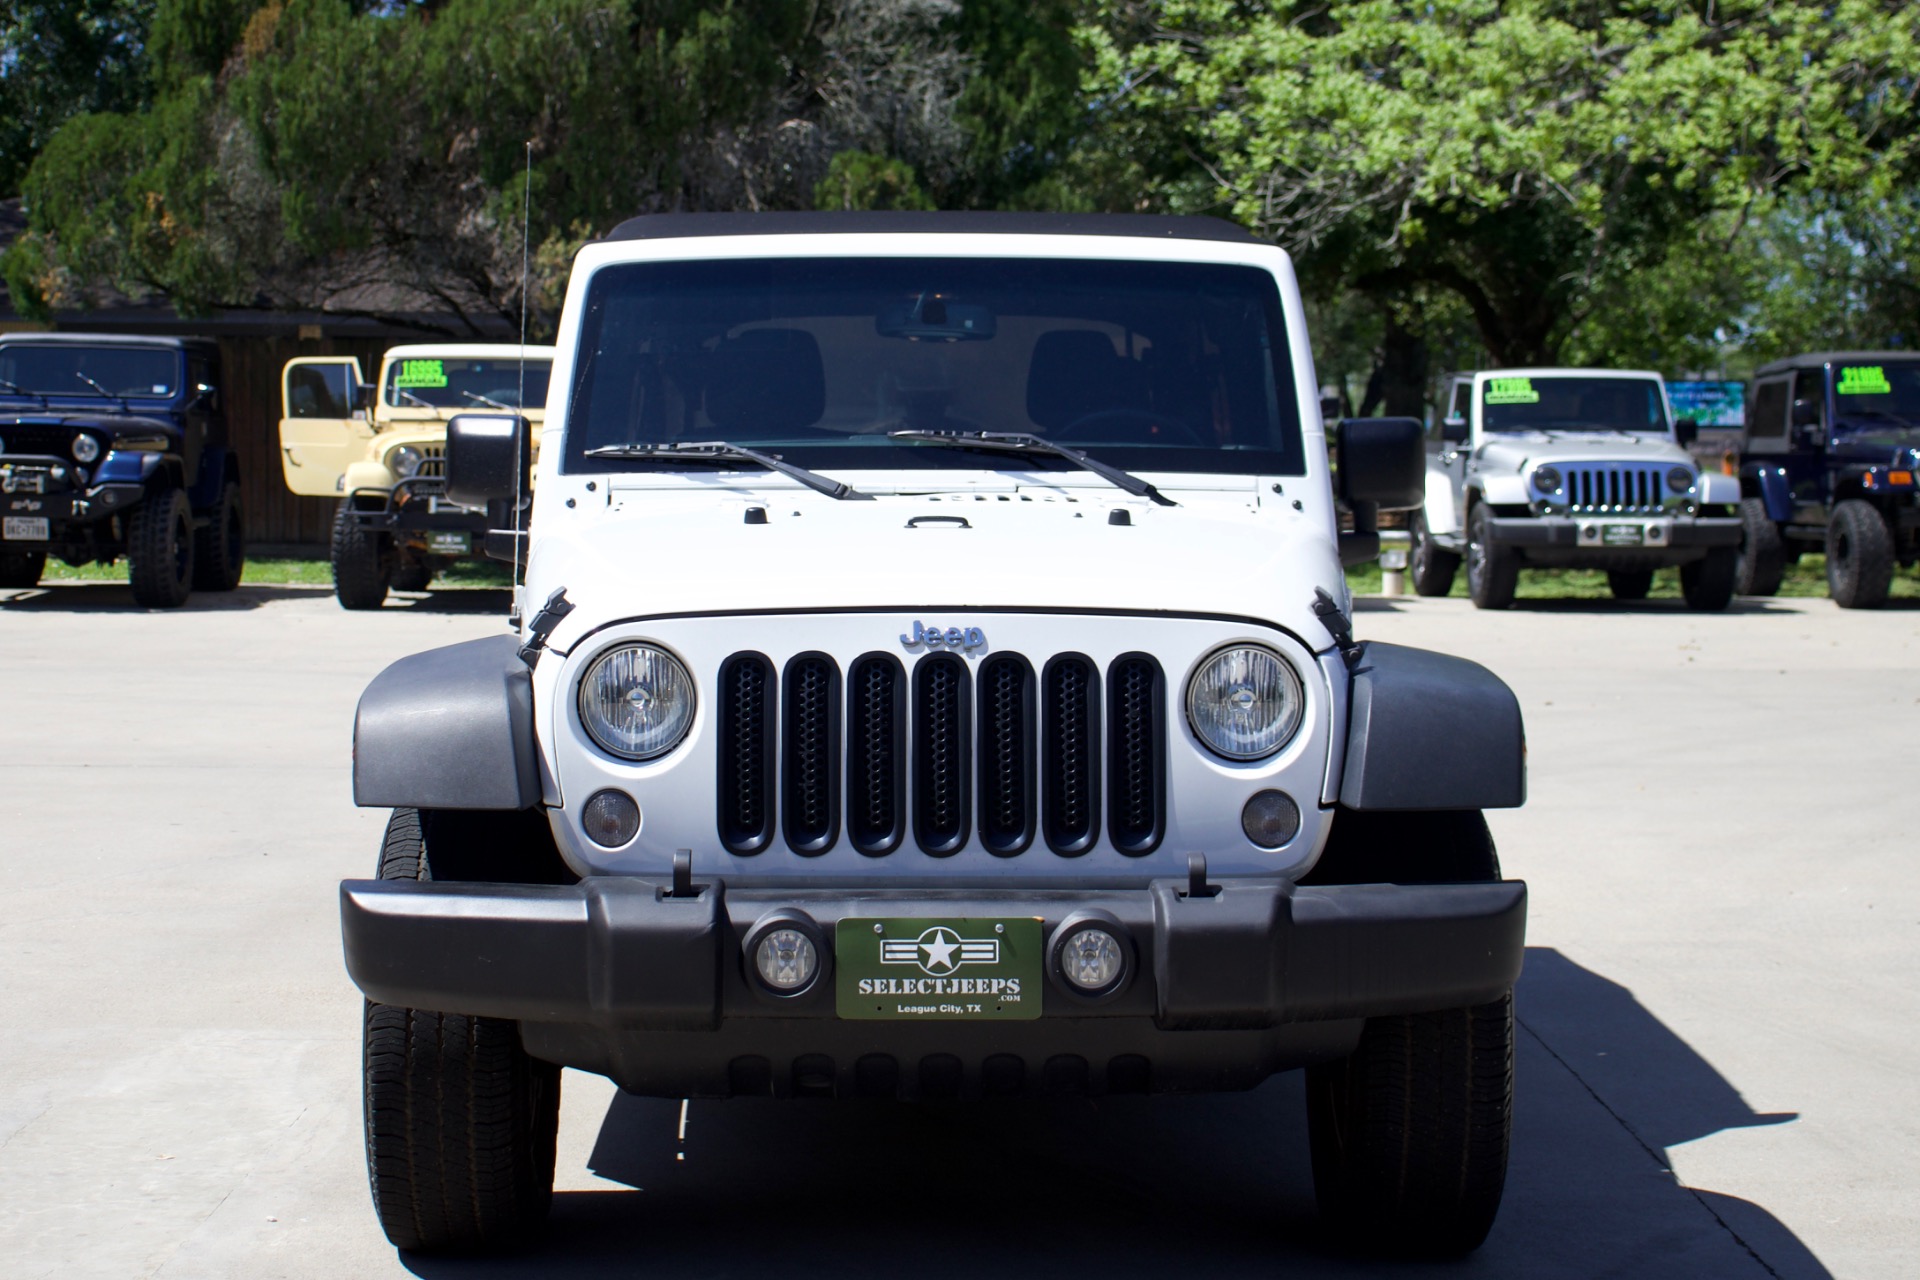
(1570, 468)
(936, 682)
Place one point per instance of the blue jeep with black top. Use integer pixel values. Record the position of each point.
(1828, 463)
(116, 446)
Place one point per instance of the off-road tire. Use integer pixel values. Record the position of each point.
(362, 563)
(1629, 584)
(1409, 1133)
(220, 549)
(1493, 572)
(1762, 561)
(160, 550)
(1707, 583)
(22, 568)
(1859, 556)
(460, 1120)
(1430, 566)
(411, 576)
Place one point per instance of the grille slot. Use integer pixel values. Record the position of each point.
(1070, 754)
(433, 461)
(1615, 489)
(1136, 769)
(810, 753)
(1006, 754)
(876, 753)
(744, 788)
(941, 740)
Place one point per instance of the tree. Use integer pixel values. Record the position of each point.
(61, 60)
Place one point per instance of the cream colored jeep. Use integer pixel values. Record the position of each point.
(381, 450)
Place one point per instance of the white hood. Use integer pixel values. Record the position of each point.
(689, 550)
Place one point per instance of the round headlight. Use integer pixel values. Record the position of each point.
(1546, 479)
(1679, 479)
(405, 460)
(1245, 703)
(636, 701)
(85, 448)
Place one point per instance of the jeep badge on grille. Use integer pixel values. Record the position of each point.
(963, 639)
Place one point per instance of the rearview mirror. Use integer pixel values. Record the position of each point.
(1383, 462)
(1454, 430)
(1686, 431)
(489, 458)
(932, 317)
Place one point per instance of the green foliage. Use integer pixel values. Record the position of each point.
(863, 180)
(62, 59)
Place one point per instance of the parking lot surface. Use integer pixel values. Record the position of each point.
(1718, 1017)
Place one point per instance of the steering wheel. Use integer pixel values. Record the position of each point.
(1170, 430)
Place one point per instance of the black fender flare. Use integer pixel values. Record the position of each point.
(450, 728)
(1429, 731)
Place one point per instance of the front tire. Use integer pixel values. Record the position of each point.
(220, 552)
(1493, 572)
(1629, 584)
(1762, 562)
(362, 562)
(1859, 556)
(22, 568)
(1707, 583)
(160, 550)
(1431, 567)
(460, 1120)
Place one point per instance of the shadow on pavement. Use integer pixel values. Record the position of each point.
(117, 597)
(1207, 1186)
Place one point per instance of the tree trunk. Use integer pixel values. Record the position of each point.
(1398, 385)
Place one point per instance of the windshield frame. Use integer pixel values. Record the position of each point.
(1483, 381)
(872, 450)
(392, 402)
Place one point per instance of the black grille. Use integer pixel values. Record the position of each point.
(876, 757)
(1006, 754)
(745, 784)
(940, 750)
(38, 440)
(1070, 756)
(1136, 719)
(810, 755)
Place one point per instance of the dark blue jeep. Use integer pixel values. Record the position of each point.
(117, 446)
(1829, 459)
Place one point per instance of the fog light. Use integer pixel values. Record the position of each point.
(1270, 819)
(786, 960)
(1091, 955)
(611, 819)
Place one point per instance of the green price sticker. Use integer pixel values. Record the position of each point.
(421, 373)
(1864, 380)
(1511, 391)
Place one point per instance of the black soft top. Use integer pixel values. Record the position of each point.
(676, 226)
(1815, 359)
(107, 340)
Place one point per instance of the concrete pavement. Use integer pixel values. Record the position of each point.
(1716, 1068)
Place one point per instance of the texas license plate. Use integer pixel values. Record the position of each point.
(25, 529)
(449, 544)
(937, 970)
(1623, 535)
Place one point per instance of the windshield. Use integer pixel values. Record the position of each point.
(1880, 400)
(446, 382)
(1535, 403)
(1150, 366)
(141, 373)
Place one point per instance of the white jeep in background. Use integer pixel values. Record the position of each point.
(933, 680)
(1570, 468)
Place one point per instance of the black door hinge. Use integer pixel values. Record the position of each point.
(556, 608)
(1328, 611)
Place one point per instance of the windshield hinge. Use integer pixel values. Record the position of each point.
(551, 613)
(1328, 611)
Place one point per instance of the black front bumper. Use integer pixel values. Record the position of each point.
(616, 975)
(1563, 532)
(416, 505)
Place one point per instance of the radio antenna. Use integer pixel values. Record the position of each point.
(520, 401)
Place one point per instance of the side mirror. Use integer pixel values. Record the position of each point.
(489, 458)
(205, 397)
(1382, 463)
(1686, 431)
(1454, 430)
(1806, 413)
(364, 396)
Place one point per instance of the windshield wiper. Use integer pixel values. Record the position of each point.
(19, 390)
(484, 400)
(1027, 442)
(722, 451)
(124, 403)
(424, 404)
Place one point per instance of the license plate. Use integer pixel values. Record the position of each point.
(25, 529)
(449, 544)
(1623, 535)
(937, 970)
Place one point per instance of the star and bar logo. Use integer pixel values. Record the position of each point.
(939, 951)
